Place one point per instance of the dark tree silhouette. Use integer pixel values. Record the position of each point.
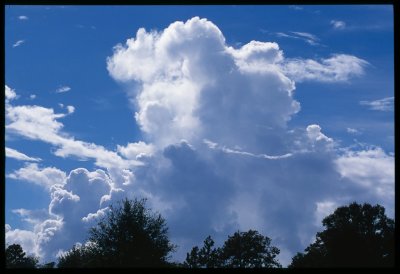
(243, 249)
(81, 256)
(207, 256)
(249, 250)
(355, 236)
(130, 235)
(16, 258)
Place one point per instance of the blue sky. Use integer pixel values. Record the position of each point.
(227, 120)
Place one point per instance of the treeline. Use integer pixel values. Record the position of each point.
(131, 235)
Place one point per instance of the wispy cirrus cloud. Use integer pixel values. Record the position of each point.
(385, 104)
(18, 43)
(338, 68)
(63, 89)
(309, 38)
(15, 154)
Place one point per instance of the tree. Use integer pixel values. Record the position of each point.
(81, 256)
(16, 258)
(207, 256)
(249, 250)
(130, 235)
(355, 236)
(243, 249)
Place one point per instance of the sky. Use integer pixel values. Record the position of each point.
(225, 118)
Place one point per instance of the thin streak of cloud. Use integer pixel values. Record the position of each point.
(385, 104)
(63, 89)
(18, 43)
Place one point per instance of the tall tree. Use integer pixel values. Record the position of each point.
(355, 236)
(241, 250)
(249, 250)
(207, 256)
(16, 258)
(130, 235)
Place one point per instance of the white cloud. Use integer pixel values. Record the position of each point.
(340, 67)
(136, 150)
(70, 109)
(309, 38)
(217, 155)
(315, 134)
(353, 130)
(371, 168)
(32, 96)
(191, 63)
(18, 43)
(9, 94)
(45, 177)
(295, 7)
(23, 17)
(39, 123)
(25, 238)
(337, 24)
(63, 89)
(385, 104)
(12, 153)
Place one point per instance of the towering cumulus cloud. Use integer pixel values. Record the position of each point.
(218, 155)
(191, 85)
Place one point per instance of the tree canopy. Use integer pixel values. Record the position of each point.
(241, 250)
(354, 236)
(130, 235)
(17, 258)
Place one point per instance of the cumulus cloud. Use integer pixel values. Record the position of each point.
(25, 238)
(45, 177)
(385, 104)
(337, 24)
(15, 154)
(339, 67)
(63, 89)
(71, 212)
(9, 94)
(217, 153)
(372, 169)
(18, 43)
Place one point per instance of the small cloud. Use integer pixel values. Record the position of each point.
(63, 89)
(70, 109)
(305, 36)
(23, 17)
(32, 96)
(10, 93)
(294, 7)
(308, 37)
(385, 104)
(18, 43)
(352, 130)
(338, 24)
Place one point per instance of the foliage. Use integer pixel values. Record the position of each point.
(249, 250)
(355, 236)
(16, 258)
(207, 256)
(130, 235)
(241, 250)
